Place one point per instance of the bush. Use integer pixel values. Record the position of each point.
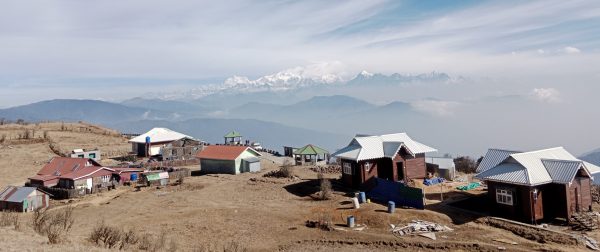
(112, 237)
(53, 225)
(10, 218)
(159, 243)
(465, 164)
(285, 171)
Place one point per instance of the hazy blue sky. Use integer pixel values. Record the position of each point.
(66, 49)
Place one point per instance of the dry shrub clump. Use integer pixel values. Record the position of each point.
(10, 218)
(324, 219)
(112, 237)
(157, 243)
(231, 246)
(55, 225)
(285, 171)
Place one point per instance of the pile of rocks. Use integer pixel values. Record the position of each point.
(330, 169)
(418, 227)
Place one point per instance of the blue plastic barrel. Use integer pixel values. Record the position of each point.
(350, 221)
(133, 177)
(391, 206)
(362, 197)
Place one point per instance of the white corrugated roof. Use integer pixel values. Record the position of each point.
(592, 168)
(414, 146)
(533, 162)
(364, 147)
(391, 148)
(492, 158)
(371, 147)
(160, 135)
(533, 168)
(562, 171)
(506, 172)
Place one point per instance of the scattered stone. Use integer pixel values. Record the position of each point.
(331, 169)
(417, 227)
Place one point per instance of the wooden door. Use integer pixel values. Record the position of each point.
(539, 205)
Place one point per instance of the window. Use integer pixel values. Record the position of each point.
(106, 178)
(367, 166)
(92, 155)
(347, 168)
(504, 196)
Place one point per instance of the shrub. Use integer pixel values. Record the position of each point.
(286, 170)
(54, 225)
(465, 164)
(112, 237)
(10, 218)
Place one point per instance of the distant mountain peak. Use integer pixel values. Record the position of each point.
(364, 73)
(320, 74)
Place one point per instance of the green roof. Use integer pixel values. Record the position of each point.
(311, 150)
(233, 134)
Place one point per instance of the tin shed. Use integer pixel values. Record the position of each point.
(23, 199)
(229, 159)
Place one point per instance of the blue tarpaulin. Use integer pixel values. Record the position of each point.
(401, 195)
(433, 181)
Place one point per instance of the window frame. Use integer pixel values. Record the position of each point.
(347, 168)
(505, 196)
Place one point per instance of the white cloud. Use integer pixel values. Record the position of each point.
(435, 107)
(549, 95)
(571, 50)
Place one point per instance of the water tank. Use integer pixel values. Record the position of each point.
(134, 177)
(148, 139)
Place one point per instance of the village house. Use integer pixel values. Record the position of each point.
(49, 175)
(538, 185)
(394, 157)
(311, 155)
(125, 174)
(153, 143)
(88, 179)
(23, 199)
(155, 178)
(228, 159)
(83, 153)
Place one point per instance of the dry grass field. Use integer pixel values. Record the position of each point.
(25, 148)
(246, 212)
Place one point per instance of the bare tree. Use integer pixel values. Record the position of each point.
(465, 164)
(54, 225)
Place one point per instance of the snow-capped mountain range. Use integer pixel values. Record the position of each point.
(301, 77)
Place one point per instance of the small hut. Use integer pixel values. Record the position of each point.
(311, 155)
(233, 138)
(23, 199)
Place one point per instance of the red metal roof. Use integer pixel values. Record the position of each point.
(222, 152)
(64, 165)
(90, 171)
